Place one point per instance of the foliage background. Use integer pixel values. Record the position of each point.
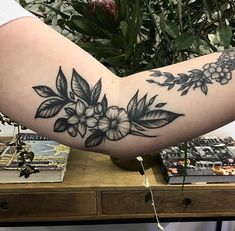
(143, 34)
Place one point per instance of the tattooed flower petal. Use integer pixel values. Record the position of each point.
(73, 120)
(103, 124)
(116, 124)
(80, 107)
(113, 134)
(90, 111)
(98, 108)
(72, 131)
(82, 129)
(112, 112)
(91, 122)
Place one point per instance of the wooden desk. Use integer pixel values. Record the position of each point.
(95, 189)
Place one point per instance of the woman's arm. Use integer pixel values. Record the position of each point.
(50, 85)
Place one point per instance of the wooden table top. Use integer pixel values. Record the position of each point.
(95, 189)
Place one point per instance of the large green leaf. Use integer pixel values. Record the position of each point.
(184, 41)
(104, 19)
(123, 10)
(57, 11)
(86, 26)
(82, 8)
(99, 49)
(171, 28)
(115, 59)
(224, 35)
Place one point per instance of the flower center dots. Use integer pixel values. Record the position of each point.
(114, 124)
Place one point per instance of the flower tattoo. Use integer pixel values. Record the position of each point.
(220, 71)
(86, 114)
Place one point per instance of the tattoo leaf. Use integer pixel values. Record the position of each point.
(171, 86)
(104, 103)
(69, 111)
(50, 108)
(94, 139)
(156, 73)
(61, 84)
(157, 118)
(82, 129)
(184, 92)
(71, 94)
(80, 87)
(44, 91)
(204, 89)
(95, 93)
(151, 81)
(61, 125)
(183, 78)
(141, 106)
(132, 105)
(198, 73)
(160, 105)
(169, 76)
(136, 133)
(151, 101)
(138, 127)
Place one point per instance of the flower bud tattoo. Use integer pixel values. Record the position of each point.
(219, 71)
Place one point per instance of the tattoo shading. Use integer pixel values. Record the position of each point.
(219, 71)
(84, 110)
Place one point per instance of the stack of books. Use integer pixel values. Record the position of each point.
(209, 160)
(50, 158)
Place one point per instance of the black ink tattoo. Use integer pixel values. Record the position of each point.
(219, 71)
(84, 111)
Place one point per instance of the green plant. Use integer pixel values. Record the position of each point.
(22, 151)
(143, 34)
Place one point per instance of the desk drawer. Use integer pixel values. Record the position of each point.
(47, 205)
(171, 203)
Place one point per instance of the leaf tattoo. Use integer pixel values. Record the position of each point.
(219, 71)
(87, 114)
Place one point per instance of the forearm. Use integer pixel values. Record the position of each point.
(53, 87)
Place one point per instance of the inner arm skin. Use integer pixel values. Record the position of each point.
(31, 54)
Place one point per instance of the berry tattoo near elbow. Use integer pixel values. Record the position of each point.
(219, 71)
(86, 114)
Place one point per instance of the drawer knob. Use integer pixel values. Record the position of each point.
(187, 201)
(4, 205)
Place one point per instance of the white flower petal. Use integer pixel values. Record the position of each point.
(215, 75)
(213, 65)
(207, 73)
(124, 128)
(228, 76)
(72, 131)
(122, 115)
(80, 107)
(90, 111)
(206, 66)
(223, 81)
(91, 122)
(73, 120)
(112, 134)
(104, 124)
(82, 129)
(112, 112)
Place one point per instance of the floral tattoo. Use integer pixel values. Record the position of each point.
(86, 114)
(219, 71)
